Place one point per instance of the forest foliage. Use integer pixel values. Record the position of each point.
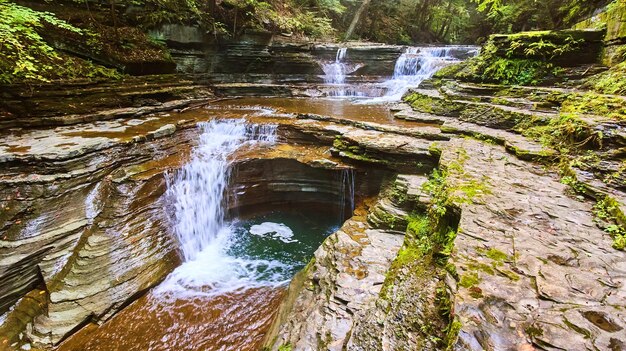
(392, 21)
(26, 53)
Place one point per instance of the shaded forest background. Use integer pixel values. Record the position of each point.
(31, 32)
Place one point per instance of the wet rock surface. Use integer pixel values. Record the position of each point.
(536, 257)
(337, 287)
(531, 267)
(85, 230)
(54, 104)
(85, 221)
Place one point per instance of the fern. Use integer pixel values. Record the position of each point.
(24, 54)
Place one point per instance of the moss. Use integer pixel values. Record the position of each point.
(285, 347)
(543, 155)
(435, 149)
(452, 334)
(470, 279)
(399, 196)
(610, 216)
(433, 105)
(424, 256)
(419, 226)
(482, 267)
(449, 72)
(584, 332)
(528, 58)
(389, 220)
(509, 274)
(567, 133)
(488, 69)
(612, 81)
(496, 255)
(533, 331)
(592, 103)
(410, 260)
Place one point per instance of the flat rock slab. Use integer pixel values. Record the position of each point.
(65, 142)
(535, 271)
(516, 144)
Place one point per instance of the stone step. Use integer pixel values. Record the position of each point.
(530, 100)
(482, 113)
(515, 143)
(394, 152)
(426, 103)
(386, 215)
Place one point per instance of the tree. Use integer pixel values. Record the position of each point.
(355, 19)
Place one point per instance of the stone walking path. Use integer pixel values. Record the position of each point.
(534, 268)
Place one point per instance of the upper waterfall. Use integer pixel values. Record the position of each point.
(335, 72)
(411, 68)
(417, 64)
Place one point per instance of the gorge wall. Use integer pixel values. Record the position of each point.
(489, 216)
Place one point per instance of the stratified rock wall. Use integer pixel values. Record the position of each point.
(87, 225)
(613, 18)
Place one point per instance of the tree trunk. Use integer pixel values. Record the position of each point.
(446, 23)
(356, 18)
(423, 12)
(212, 6)
(114, 17)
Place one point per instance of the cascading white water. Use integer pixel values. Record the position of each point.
(197, 192)
(416, 65)
(335, 73)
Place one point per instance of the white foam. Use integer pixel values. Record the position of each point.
(92, 203)
(277, 231)
(197, 193)
(335, 73)
(215, 272)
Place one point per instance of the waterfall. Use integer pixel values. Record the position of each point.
(346, 193)
(416, 65)
(335, 72)
(198, 189)
(197, 192)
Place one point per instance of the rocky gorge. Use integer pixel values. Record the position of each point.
(479, 212)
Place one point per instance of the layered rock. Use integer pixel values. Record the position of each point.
(533, 58)
(79, 101)
(517, 277)
(341, 282)
(613, 18)
(83, 220)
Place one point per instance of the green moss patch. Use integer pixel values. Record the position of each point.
(612, 81)
(469, 280)
(613, 107)
(529, 58)
(611, 218)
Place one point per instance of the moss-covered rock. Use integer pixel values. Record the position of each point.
(613, 19)
(433, 105)
(612, 81)
(528, 58)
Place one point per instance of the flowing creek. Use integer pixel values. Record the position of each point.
(236, 263)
